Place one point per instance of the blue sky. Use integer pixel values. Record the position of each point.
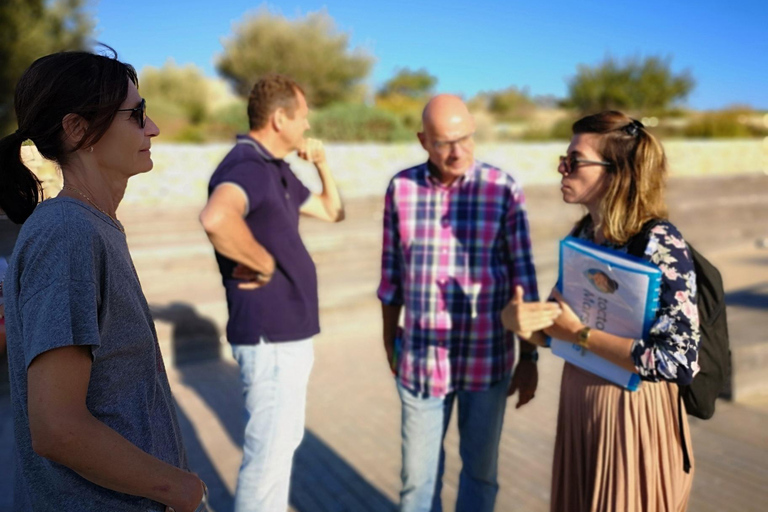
(482, 45)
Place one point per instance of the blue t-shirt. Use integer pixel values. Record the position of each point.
(71, 281)
(8, 234)
(286, 308)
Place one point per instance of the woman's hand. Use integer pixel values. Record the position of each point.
(566, 326)
(525, 318)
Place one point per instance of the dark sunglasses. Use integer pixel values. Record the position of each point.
(139, 113)
(571, 162)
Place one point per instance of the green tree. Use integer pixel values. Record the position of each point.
(646, 85)
(405, 95)
(30, 29)
(309, 49)
(414, 84)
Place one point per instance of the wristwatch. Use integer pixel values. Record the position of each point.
(582, 337)
(203, 506)
(533, 355)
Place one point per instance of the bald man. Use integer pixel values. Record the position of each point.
(456, 245)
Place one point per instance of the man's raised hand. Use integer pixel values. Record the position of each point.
(312, 151)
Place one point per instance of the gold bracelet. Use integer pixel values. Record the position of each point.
(582, 337)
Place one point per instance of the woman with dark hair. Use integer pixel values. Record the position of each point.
(94, 418)
(617, 449)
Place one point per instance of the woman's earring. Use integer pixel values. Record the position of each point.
(90, 149)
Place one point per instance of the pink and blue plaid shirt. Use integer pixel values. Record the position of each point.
(452, 256)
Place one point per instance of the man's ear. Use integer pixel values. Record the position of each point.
(278, 119)
(423, 139)
(74, 129)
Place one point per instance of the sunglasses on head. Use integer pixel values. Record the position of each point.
(139, 113)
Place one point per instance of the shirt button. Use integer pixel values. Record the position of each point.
(444, 250)
(445, 222)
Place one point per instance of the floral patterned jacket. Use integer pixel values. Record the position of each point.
(670, 352)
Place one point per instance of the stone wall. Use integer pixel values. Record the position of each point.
(182, 171)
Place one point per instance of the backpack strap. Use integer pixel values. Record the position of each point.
(639, 242)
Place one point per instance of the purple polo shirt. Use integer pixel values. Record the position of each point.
(286, 308)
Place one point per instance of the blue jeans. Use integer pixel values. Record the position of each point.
(275, 377)
(424, 423)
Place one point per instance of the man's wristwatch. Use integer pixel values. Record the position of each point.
(203, 506)
(582, 337)
(533, 355)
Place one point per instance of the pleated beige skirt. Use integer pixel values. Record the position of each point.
(618, 450)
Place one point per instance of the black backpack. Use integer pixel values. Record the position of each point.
(714, 375)
(714, 353)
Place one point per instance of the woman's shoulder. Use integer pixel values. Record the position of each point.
(666, 234)
(666, 245)
(59, 239)
(67, 218)
(54, 221)
(665, 229)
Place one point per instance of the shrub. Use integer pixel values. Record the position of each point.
(227, 121)
(192, 133)
(185, 87)
(358, 123)
(722, 124)
(561, 130)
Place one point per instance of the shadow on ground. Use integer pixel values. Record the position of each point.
(193, 337)
(755, 297)
(322, 480)
(200, 463)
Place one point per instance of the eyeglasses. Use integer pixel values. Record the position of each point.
(571, 162)
(464, 142)
(139, 113)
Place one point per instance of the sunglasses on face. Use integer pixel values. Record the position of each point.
(571, 162)
(139, 113)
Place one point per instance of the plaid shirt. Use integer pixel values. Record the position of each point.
(453, 255)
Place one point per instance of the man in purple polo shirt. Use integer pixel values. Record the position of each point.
(456, 244)
(252, 220)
